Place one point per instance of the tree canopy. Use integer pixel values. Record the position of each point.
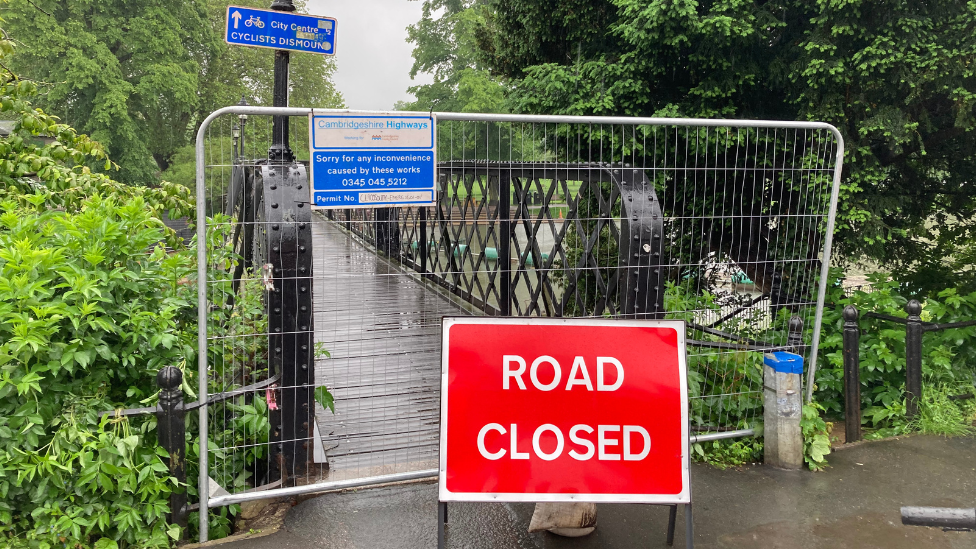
(138, 76)
(446, 46)
(897, 80)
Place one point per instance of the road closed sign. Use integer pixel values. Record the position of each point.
(537, 409)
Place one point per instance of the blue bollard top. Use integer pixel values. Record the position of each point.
(783, 362)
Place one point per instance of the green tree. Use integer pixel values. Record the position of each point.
(896, 78)
(139, 76)
(446, 47)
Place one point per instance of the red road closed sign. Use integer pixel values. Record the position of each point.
(536, 409)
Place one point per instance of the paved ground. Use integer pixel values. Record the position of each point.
(854, 504)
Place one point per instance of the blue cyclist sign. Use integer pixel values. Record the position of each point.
(280, 30)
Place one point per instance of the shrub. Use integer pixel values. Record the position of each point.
(90, 308)
(948, 356)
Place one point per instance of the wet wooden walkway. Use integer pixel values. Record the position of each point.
(381, 326)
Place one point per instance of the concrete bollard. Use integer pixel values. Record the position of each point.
(783, 441)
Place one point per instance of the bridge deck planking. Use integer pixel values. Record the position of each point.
(381, 326)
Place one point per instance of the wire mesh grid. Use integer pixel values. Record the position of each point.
(529, 222)
(531, 219)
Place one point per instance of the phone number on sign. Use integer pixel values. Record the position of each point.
(381, 182)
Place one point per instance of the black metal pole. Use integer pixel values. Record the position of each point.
(504, 262)
(913, 358)
(672, 516)
(775, 294)
(794, 337)
(171, 433)
(852, 375)
(423, 245)
(441, 521)
(940, 517)
(280, 148)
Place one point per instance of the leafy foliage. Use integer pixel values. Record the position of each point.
(91, 306)
(728, 453)
(87, 318)
(947, 355)
(446, 47)
(897, 82)
(139, 76)
(816, 441)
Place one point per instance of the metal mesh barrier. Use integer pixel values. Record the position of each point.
(721, 224)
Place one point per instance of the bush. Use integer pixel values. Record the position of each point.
(90, 309)
(948, 356)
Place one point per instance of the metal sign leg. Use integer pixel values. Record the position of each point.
(672, 516)
(441, 522)
(689, 528)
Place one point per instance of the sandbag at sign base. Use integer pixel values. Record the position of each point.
(571, 520)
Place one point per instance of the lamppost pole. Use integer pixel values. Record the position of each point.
(243, 122)
(280, 150)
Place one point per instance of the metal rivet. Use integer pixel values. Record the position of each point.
(304, 328)
(630, 198)
(636, 237)
(636, 256)
(274, 227)
(647, 248)
(277, 309)
(277, 330)
(274, 205)
(304, 289)
(301, 248)
(278, 350)
(274, 248)
(304, 308)
(301, 204)
(274, 187)
(301, 269)
(635, 218)
(304, 347)
(299, 187)
(301, 225)
(304, 366)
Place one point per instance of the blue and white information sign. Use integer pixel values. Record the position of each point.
(372, 161)
(280, 30)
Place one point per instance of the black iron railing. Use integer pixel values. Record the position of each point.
(914, 328)
(582, 239)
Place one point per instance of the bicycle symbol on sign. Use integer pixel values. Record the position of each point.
(253, 20)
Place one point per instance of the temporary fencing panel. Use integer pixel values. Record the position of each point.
(723, 224)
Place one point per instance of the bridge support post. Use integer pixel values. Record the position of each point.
(641, 282)
(388, 231)
(504, 263)
(287, 234)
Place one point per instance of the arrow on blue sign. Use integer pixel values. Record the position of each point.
(280, 30)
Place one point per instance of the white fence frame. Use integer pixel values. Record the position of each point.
(206, 502)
